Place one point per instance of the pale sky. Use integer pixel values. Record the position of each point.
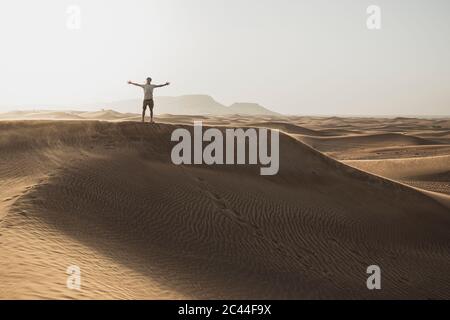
(292, 56)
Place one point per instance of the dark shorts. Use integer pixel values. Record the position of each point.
(148, 103)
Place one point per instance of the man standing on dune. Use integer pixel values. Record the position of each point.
(148, 96)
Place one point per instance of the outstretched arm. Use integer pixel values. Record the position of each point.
(135, 84)
(162, 85)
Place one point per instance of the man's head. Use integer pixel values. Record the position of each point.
(149, 80)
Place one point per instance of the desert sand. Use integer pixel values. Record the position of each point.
(104, 195)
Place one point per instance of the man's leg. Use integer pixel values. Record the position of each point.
(151, 105)
(144, 108)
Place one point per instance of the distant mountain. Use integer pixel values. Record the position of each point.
(188, 105)
(250, 109)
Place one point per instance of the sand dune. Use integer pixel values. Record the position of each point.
(430, 173)
(329, 144)
(390, 152)
(404, 168)
(106, 115)
(287, 128)
(105, 196)
(40, 115)
(411, 151)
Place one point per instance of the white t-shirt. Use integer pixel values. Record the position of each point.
(148, 91)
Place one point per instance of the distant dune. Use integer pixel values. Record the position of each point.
(105, 115)
(430, 173)
(329, 144)
(41, 114)
(106, 197)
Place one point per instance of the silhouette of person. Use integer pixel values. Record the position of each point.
(148, 96)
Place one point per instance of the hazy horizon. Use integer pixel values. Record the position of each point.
(111, 105)
(292, 57)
